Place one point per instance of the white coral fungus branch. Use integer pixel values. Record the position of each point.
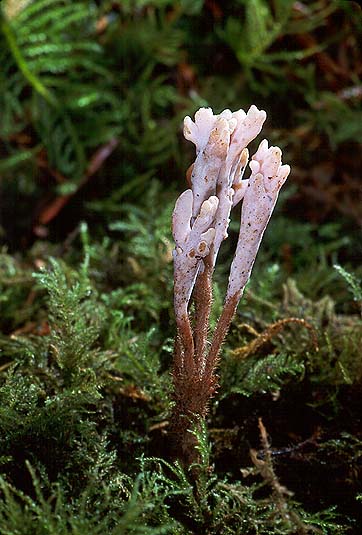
(200, 223)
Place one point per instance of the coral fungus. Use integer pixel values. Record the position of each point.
(200, 223)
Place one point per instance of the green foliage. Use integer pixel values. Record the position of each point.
(252, 36)
(64, 74)
(336, 361)
(116, 510)
(221, 506)
(146, 229)
(50, 398)
(34, 422)
(260, 375)
(15, 284)
(61, 393)
(352, 281)
(318, 342)
(78, 75)
(339, 120)
(259, 30)
(312, 249)
(75, 319)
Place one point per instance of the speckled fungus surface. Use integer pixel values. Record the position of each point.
(202, 213)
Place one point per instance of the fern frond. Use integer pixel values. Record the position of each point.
(49, 52)
(355, 285)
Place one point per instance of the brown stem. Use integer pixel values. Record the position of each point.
(187, 343)
(178, 362)
(183, 442)
(192, 388)
(203, 301)
(220, 332)
(191, 401)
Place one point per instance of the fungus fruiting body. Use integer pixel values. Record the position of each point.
(200, 224)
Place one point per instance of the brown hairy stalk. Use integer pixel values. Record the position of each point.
(203, 302)
(186, 339)
(220, 333)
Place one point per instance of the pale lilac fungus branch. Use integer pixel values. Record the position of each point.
(200, 223)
